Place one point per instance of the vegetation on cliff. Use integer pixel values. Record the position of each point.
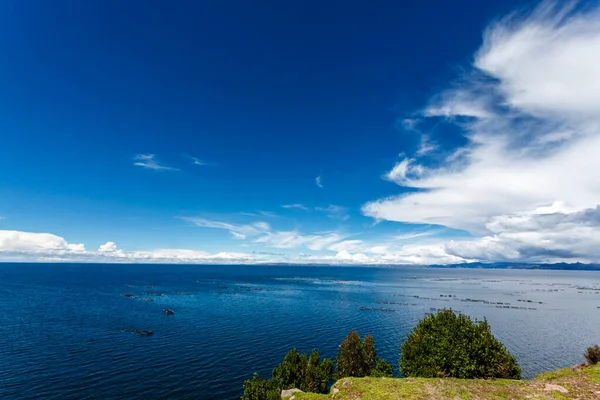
(307, 373)
(359, 359)
(473, 362)
(582, 382)
(450, 345)
(311, 374)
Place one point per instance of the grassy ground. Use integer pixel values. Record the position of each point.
(561, 384)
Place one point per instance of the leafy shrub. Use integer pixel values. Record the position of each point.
(592, 355)
(260, 389)
(450, 345)
(382, 369)
(358, 359)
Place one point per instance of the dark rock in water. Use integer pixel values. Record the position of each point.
(154, 294)
(137, 332)
(131, 296)
(168, 311)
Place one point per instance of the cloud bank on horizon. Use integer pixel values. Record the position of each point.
(523, 185)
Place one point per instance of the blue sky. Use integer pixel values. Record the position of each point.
(344, 132)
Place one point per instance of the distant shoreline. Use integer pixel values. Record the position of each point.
(473, 265)
(539, 266)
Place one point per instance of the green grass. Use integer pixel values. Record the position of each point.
(583, 384)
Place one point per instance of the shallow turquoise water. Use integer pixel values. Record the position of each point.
(61, 324)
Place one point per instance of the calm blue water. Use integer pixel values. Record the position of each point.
(61, 325)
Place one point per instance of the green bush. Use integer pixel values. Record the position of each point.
(307, 373)
(592, 355)
(449, 345)
(260, 389)
(358, 359)
(382, 369)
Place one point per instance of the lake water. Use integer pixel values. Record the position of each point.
(61, 325)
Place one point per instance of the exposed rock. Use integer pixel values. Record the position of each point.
(168, 311)
(578, 367)
(290, 392)
(558, 388)
(347, 384)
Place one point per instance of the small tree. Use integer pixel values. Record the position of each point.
(450, 345)
(290, 373)
(308, 374)
(358, 359)
(318, 374)
(349, 360)
(592, 355)
(260, 389)
(369, 355)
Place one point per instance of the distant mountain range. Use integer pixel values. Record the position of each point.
(508, 265)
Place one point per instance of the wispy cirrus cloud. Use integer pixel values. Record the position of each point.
(259, 213)
(149, 161)
(293, 239)
(238, 231)
(298, 206)
(529, 109)
(200, 162)
(331, 211)
(318, 181)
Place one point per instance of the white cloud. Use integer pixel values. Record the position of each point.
(197, 161)
(267, 214)
(29, 242)
(149, 161)
(426, 146)
(331, 210)
(348, 245)
(318, 181)
(414, 235)
(29, 246)
(401, 171)
(298, 206)
(548, 234)
(293, 239)
(237, 231)
(532, 108)
(108, 246)
(237, 235)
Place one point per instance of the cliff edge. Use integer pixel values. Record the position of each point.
(569, 383)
